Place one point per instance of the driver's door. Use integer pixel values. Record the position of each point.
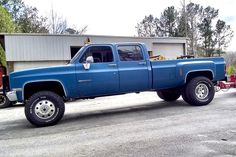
(102, 76)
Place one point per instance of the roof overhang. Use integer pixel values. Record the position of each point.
(160, 39)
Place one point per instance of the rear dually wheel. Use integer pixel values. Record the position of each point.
(199, 91)
(169, 94)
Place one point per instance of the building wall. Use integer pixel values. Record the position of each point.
(36, 48)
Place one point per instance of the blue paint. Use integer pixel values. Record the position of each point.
(116, 77)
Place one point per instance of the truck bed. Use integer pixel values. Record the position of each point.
(173, 73)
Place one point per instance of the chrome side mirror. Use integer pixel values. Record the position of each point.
(88, 61)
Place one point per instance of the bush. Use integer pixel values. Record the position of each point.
(231, 70)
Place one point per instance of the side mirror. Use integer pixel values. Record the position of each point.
(87, 63)
(89, 59)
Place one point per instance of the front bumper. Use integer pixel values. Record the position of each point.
(11, 95)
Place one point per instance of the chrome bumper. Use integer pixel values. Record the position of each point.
(11, 95)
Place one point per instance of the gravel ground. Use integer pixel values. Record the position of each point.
(126, 125)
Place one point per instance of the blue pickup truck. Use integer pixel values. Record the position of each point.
(111, 69)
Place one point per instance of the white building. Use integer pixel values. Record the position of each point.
(39, 50)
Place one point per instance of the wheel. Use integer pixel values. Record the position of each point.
(4, 101)
(199, 91)
(44, 108)
(184, 95)
(169, 94)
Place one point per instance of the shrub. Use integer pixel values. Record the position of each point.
(231, 70)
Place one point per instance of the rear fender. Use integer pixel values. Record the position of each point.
(199, 68)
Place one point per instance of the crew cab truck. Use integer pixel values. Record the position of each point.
(111, 69)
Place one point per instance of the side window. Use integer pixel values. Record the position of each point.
(100, 54)
(130, 53)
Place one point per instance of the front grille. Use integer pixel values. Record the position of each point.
(5, 82)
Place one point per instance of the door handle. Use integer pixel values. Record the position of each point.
(112, 65)
(84, 81)
(142, 63)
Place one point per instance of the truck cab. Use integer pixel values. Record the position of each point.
(112, 69)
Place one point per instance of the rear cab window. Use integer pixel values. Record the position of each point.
(130, 53)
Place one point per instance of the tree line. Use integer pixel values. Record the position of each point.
(17, 17)
(22, 18)
(207, 34)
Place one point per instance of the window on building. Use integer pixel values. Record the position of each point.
(99, 53)
(130, 53)
(74, 50)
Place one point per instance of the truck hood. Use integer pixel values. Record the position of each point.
(42, 72)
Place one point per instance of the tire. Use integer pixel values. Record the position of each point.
(199, 91)
(184, 95)
(44, 108)
(169, 94)
(4, 101)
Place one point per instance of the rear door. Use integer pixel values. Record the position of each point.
(133, 69)
(102, 76)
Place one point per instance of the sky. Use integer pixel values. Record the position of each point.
(119, 17)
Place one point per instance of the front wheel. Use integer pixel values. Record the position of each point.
(44, 108)
(199, 91)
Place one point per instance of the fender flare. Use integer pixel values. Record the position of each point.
(199, 70)
(49, 80)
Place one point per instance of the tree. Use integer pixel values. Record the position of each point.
(30, 22)
(196, 23)
(58, 25)
(147, 27)
(26, 18)
(167, 22)
(190, 19)
(162, 27)
(207, 32)
(75, 31)
(14, 7)
(223, 36)
(230, 58)
(6, 25)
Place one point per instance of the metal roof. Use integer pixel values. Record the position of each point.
(87, 35)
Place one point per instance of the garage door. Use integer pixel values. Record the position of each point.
(170, 51)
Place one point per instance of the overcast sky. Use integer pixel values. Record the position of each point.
(119, 17)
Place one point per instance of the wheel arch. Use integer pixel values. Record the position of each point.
(60, 89)
(196, 73)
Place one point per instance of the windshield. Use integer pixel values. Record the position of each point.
(76, 56)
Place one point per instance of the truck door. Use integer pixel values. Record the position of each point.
(102, 76)
(133, 69)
